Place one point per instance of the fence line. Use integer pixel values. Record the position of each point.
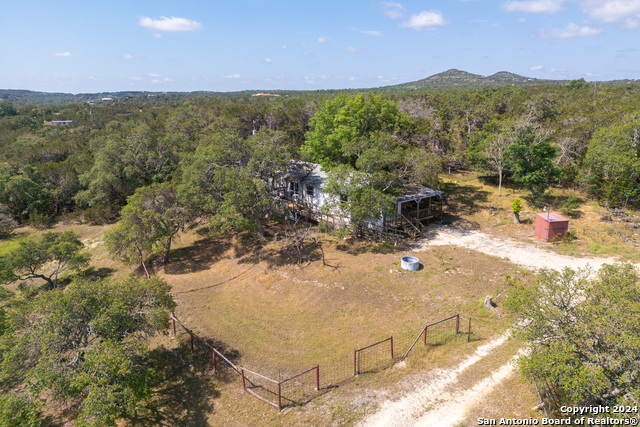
(212, 348)
(365, 359)
(358, 356)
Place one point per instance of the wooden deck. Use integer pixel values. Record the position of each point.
(410, 223)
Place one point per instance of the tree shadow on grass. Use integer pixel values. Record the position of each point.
(197, 257)
(463, 199)
(280, 257)
(359, 247)
(186, 386)
(100, 273)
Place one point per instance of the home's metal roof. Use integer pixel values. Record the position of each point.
(312, 174)
(309, 173)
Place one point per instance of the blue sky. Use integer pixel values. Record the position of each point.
(188, 45)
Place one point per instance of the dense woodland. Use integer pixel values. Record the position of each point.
(155, 164)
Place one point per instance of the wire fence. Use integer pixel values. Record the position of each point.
(304, 386)
(374, 357)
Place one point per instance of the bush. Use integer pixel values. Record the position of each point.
(341, 233)
(569, 236)
(40, 221)
(516, 206)
(570, 205)
(101, 214)
(19, 411)
(324, 227)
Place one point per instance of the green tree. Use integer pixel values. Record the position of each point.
(532, 160)
(583, 333)
(86, 346)
(158, 208)
(355, 196)
(46, 258)
(227, 179)
(342, 128)
(488, 151)
(612, 164)
(25, 193)
(135, 236)
(123, 164)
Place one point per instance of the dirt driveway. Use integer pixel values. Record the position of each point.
(526, 255)
(432, 401)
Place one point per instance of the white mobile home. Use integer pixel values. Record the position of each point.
(303, 186)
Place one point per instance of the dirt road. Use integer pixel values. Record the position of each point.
(435, 401)
(523, 254)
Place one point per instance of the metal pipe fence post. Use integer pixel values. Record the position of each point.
(279, 396)
(425, 334)
(191, 335)
(391, 347)
(215, 368)
(457, 324)
(244, 385)
(174, 326)
(469, 332)
(317, 377)
(355, 369)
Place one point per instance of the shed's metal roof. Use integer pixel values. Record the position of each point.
(421, 193)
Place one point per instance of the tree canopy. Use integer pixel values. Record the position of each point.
(342, 129)
(583, 333)
(612, 164)
(45, 258)
(84, 346)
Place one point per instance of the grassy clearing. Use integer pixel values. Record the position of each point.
(477, 205)
(280, 318)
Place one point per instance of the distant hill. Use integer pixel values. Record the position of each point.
(450, 79)
(33, 97)
(461, 79)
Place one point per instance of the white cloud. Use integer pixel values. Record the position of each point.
(535, 68)
(322, 40)
(352, 49)
(127, 56)
(157, 35)
(65, 54)
(284, 46)
(268, 60)
(232, 76)
(392, 9)
(170, 24)
(625, 13)
(425, 19)
(570, 31)
(154, 75)
(534, 6)
(158, 80)
(372, 33)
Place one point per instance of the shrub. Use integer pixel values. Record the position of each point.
(40, 221)
(570, 205)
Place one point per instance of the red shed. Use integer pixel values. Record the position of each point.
(551, 225)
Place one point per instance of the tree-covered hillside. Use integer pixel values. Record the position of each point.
(109, 150)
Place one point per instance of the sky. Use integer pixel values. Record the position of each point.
(213, 45)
